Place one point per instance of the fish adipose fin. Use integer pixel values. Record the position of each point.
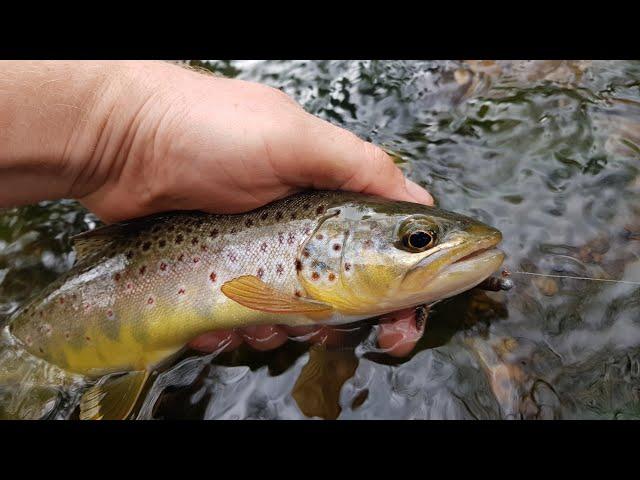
(251, 292)
(113, 398)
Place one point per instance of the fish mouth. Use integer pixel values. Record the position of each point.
(475, 254)
(469, 264)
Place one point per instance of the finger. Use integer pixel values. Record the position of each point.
(398, 334)
(265, 337)
(211, 341)
(329, 157)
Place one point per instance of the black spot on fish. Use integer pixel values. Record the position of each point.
(214, 233)
(146, 246)
(278, 216)
(264, 215)
(248, 222)
(179, 238)
(298, 265)
(162, 243)
(320, 210)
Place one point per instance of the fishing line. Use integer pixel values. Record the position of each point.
(628, 282)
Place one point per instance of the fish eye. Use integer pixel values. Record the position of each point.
(418, 240)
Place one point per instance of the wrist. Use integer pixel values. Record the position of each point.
(58, 123)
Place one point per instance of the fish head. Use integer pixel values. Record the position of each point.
(374, 257)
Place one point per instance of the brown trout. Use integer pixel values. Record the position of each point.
(140, 290)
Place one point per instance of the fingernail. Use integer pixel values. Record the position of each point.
(419, 193)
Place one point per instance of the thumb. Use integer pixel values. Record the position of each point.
(330, 157)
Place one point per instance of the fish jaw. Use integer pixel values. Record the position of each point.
(462, 263)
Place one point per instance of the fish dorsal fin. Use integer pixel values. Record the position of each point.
(92, 241)
(113, 398)
(87, 243)
(251, 292)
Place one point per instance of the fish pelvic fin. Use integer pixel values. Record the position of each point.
(251, 292)
(113, 398)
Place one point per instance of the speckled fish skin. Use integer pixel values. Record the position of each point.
(149, 286)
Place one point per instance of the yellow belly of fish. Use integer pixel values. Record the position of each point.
(166, 331)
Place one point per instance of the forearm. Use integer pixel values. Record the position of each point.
(53, 116)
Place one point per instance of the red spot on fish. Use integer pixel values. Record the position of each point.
(332, 277)
(263, 247)
(194, 241)
(292, 238)
(61, 300)
(260, 272)
(305, 253)
(281, 237)
(88, 339)
(298, 265)
(234, 231)
(319, 236)
(232, 256)
(279, 269)
(337, 247)
(315, 276)
(307, 230)
(142, 270)
(163, 266)
(196, 259)
(320, 210)
(347, 266)
(297, 293)
(181, 257)
(213, 276)
(110, 314)
(129, 286)
(181, 291)
(368, 243)
(204, 248)
(150, 301)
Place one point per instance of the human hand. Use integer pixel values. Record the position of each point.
(151, 137)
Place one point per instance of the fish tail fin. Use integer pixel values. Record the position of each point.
(30, 388)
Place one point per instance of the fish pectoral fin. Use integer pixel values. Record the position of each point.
(251, 292)
(113, 398)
